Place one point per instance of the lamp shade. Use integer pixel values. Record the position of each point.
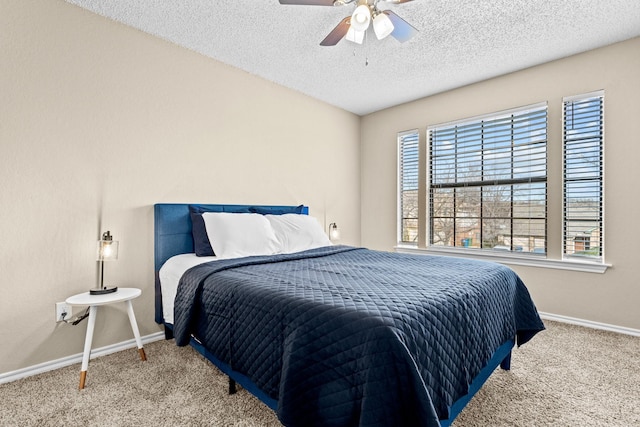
(334, 233)
(361, 18)
(107, 248)
(355, 36)
(382, 26)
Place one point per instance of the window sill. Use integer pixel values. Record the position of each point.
(510, 259)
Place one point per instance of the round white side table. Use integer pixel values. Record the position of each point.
(94, 301)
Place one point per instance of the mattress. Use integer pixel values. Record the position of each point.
(170, 274)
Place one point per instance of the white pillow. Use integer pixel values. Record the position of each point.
(235, 235)
(298, 232)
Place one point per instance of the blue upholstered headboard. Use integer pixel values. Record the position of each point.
(172, 234)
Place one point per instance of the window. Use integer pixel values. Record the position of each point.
(583, 138)
(408, 187)
(488, 182)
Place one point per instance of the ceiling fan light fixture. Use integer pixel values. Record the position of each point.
(382, 26)
(355, 35)
(361, 18)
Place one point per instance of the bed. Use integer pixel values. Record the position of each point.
(338, 335)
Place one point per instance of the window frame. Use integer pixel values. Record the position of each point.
(554, 247)
(601, 214)
(400, 180)
(512, 116)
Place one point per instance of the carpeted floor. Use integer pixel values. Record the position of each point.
(566, 376)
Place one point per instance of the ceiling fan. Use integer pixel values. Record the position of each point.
(366, 13)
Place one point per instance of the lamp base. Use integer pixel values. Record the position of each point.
(105, 290)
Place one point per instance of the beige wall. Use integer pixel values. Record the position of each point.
(97, 123)
(612, 297)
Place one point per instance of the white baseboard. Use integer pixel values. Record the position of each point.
(590, 324)
(76, 358)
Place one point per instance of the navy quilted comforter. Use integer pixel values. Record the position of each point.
(344, 336)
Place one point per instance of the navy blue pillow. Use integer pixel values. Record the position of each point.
(201, 244)
(276, 210)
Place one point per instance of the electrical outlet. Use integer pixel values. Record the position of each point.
(62, 307)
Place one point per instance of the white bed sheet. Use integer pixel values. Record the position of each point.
(170, 274)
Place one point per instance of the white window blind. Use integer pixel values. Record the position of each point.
(488, 182)
(408, 162)
(583, 198)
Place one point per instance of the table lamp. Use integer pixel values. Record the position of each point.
(107, 251)
(334, 233)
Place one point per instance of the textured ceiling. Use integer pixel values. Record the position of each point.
(459, 41)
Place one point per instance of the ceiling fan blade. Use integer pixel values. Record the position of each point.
(337, 33)
(309, 2)
(402, 30)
